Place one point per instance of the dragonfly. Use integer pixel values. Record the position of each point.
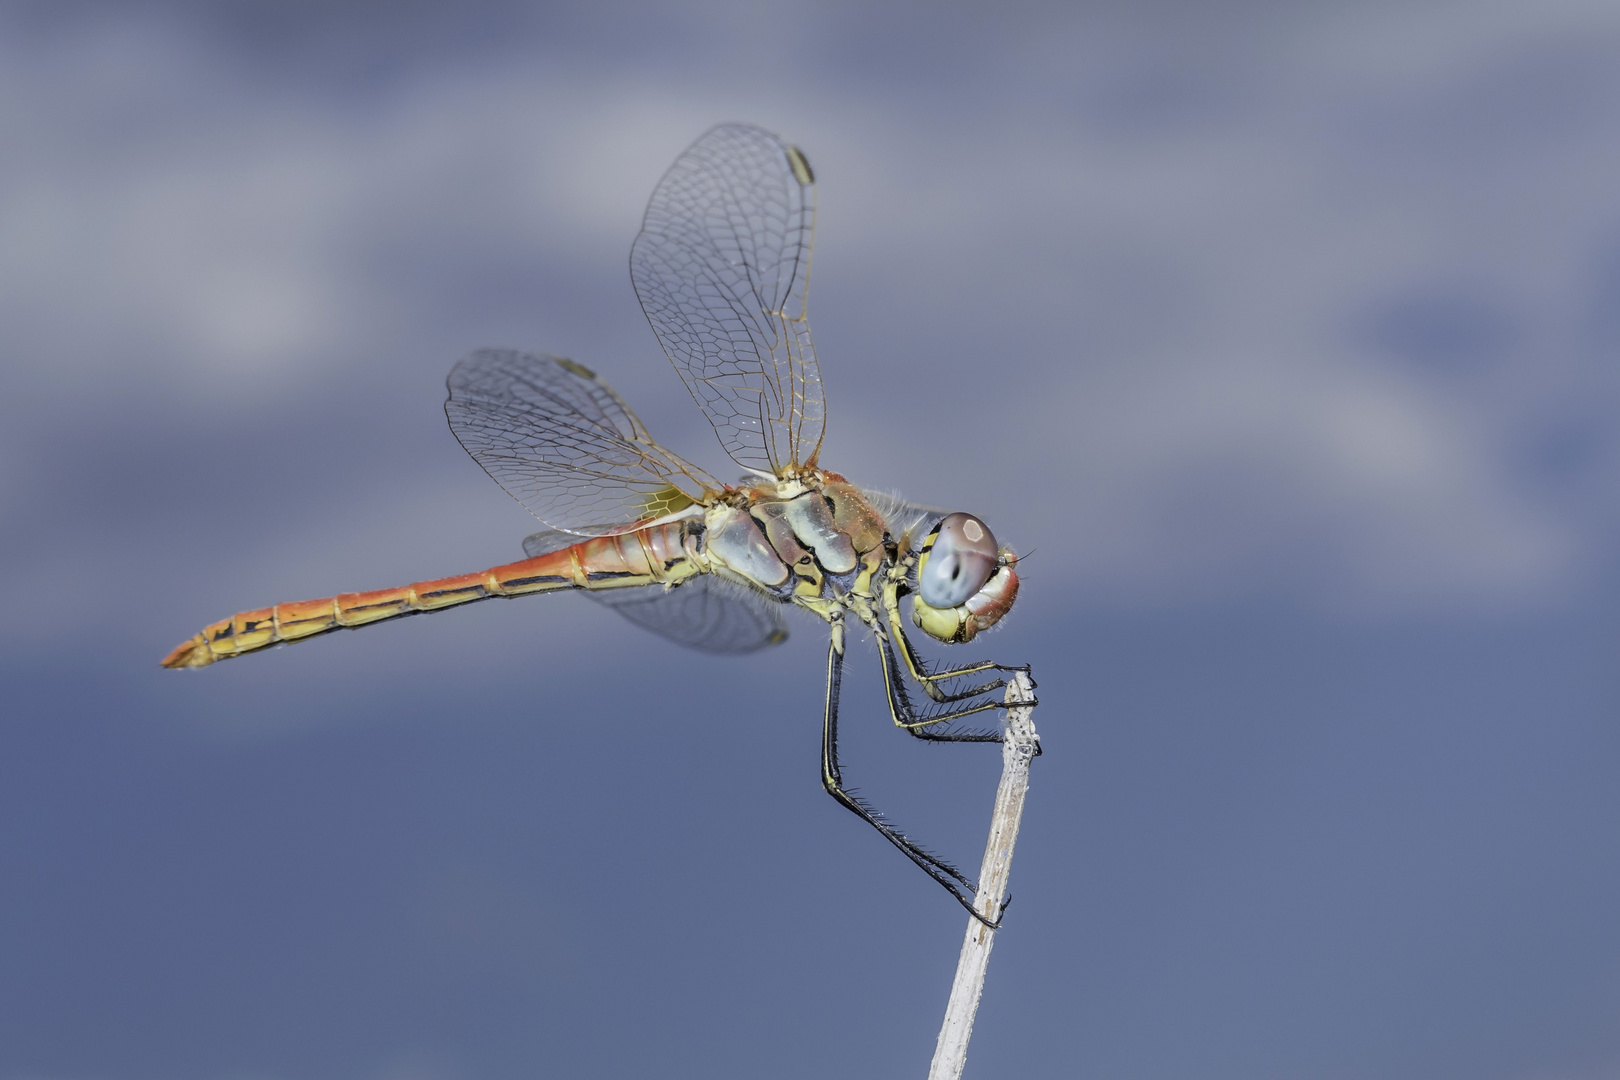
(722, 268)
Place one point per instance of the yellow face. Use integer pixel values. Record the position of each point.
(965, 583)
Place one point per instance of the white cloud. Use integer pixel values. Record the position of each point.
(1168, 248)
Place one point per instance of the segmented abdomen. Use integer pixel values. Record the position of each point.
(638, 558)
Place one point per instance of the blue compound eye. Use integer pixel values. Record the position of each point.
(962, 560)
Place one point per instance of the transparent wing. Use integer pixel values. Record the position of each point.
(702, 613)
(563, 444)
(722, 266)
(546, 541)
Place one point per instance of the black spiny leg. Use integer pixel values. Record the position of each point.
(930, 680)
(953, 880)
(933, 724)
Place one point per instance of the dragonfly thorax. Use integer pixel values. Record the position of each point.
(809, 538)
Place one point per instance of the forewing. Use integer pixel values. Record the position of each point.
(563, 444)
(722, 266)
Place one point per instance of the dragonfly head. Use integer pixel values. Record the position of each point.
(965, 583)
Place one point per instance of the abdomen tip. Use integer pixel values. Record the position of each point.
(193, 653)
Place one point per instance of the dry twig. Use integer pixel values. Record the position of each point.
(1021, 746)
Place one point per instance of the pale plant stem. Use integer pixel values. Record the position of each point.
(1022, 743)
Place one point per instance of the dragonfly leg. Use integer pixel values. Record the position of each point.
(953, 880)
(930, 680)
(932, 724)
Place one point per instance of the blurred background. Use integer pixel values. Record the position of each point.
(1285, 335)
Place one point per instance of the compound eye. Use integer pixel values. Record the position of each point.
(962, 560)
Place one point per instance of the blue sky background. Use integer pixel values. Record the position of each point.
(1285, 335)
